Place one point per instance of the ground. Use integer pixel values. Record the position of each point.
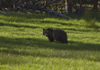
(23, 46)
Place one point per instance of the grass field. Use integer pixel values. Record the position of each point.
(23, 47)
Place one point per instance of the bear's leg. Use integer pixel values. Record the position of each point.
(63, 40)
(51, 39)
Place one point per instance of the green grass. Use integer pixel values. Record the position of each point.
(23, 47)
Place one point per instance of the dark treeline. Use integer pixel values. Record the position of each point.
(61, 6)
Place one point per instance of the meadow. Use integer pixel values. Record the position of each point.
(23, 46)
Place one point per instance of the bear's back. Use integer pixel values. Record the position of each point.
(59, 35)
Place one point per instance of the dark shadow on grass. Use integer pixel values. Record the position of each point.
(17, 26)
(55, 22)
(24, 17)
(12, 44)
(72, 45)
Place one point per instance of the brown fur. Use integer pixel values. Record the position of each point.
(58, 35)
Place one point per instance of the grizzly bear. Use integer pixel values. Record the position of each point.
(58, 35)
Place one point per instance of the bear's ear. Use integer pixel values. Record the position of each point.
(43, 29)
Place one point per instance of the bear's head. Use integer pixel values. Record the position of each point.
(47, 32)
